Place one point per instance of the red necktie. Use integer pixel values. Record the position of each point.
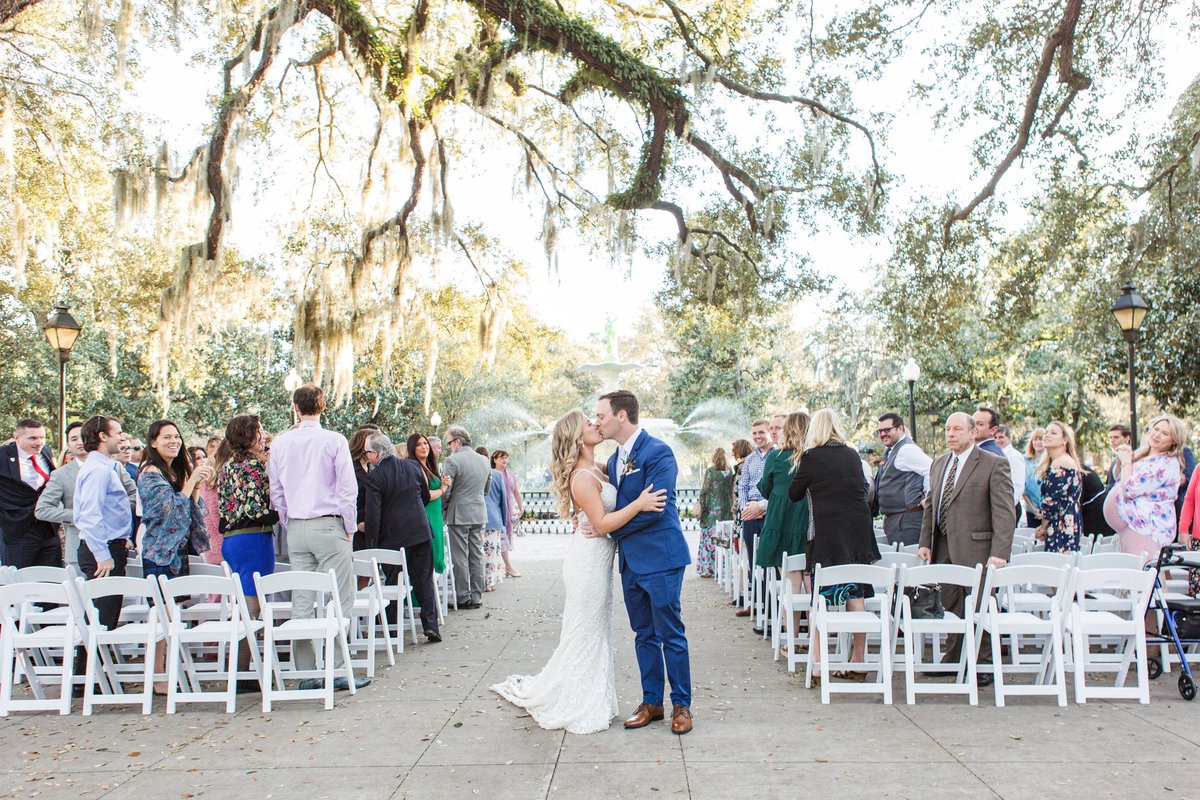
(38, 469)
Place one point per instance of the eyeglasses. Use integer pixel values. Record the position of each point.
(882, 431)
(136, 448)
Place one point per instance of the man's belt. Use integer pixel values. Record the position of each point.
(905, 511)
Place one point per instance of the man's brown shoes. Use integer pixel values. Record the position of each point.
(644, 715)
(681, 720)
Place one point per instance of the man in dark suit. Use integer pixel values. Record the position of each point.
(396, 496)
(969, 515)
(25, 467)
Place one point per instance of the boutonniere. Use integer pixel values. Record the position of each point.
(630, 467)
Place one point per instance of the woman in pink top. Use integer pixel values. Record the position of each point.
(1187, 519)
(1141, 508)
(208, 496)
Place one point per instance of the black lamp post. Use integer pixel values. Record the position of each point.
(61, 330)
(1130, 311)
(911, 374)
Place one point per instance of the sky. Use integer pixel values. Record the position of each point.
(585, 287)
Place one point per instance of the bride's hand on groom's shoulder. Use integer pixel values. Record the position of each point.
(650, 500)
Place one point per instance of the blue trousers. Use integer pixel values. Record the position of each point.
(652, 600)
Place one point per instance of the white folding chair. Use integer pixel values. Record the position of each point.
(915, 630)
(1133, 588)
(828, 622)
(328, 628)
(1111, 561)
(33, 649)
(103, 644)
(1043, 559)
(399, 593)
(370, 612)
(896, 559)
(785, 630)
(187, 637)
(910, 549)
(446, 588)
(1001, 615)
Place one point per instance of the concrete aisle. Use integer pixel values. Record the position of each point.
(429, 728)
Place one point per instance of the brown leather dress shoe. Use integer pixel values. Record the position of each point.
(644, 715)
(742, 612)
(681, 719)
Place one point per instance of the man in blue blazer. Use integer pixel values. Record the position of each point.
(652, 555)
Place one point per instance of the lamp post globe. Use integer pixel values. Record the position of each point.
(436, 421)
(911, 374)
(61, 330)
(1130, 311)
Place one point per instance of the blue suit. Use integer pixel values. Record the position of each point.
(652, 555)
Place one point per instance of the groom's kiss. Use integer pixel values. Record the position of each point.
(652, 556)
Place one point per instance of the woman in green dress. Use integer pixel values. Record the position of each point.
(716, 503)
(785, 529)
(419, 451)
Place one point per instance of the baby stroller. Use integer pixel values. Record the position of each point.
(1181, 617)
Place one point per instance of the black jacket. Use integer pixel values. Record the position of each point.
(17, 499)
(842, 531)
(396, 496)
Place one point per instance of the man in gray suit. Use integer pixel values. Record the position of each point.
(969, 516)
(56, 504)
(466, 513)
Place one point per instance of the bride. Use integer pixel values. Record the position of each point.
(576, 690)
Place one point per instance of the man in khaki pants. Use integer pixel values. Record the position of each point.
(314, 491)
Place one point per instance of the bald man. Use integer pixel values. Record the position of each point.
(969, 515)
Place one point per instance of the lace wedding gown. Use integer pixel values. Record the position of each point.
(576, 690)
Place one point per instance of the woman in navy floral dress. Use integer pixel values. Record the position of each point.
(1062, 487)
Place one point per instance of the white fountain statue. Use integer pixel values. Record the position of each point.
(611, 368)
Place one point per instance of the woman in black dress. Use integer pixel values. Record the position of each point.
(831, 473)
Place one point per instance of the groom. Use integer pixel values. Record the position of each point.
(653, 556)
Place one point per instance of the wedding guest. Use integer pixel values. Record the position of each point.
(1092, 506)
(56, 504)
(902, 481)
(212, 446)
(493, 530)
(1016, 464)
(986, 422)
(716, 504)
(172, 516)
(1141, 506)
(420, 451)
(1187, 525)
(749, 498)
(209, 502)
(435, 447)
(314, 493)
(101, 514)
(358, 453)
(466, 513)
(777, 429)
(1117, 435)
(1061, 476)
(397, 494)
(516, 509)
(830, 473)
(245, 517)
(130, 458)
(1033, 485)
(785, 528)
(27, 464)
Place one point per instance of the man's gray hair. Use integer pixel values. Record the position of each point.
(460, 433)
(434, 441)
(381, 444)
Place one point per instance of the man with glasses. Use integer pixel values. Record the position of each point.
(902, 481)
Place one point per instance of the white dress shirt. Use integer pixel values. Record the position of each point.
(913, 459)
(30, 475)
(1016, 465)
(623, 452)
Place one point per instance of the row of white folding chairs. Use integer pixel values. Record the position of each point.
(38, 647)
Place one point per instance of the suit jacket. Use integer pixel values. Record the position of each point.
(651, 541)
(18, 500)
(980, 519)
(470, 474)
(396, 495)
(56, 504)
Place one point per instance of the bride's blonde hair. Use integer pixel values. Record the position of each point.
(564, 455)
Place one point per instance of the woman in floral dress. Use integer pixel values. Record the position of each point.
(1061, 488)
(244, 503)
(1141, 507)
(716, 503)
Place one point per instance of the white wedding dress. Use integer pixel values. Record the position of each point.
(576, 690)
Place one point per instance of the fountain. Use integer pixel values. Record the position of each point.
(611, 368)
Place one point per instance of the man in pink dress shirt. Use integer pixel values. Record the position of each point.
(314, 491)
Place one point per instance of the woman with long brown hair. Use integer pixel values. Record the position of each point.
(419, 450)
(716, 504)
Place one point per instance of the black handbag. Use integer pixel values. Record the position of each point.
(1186, 617)
(925, 601)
